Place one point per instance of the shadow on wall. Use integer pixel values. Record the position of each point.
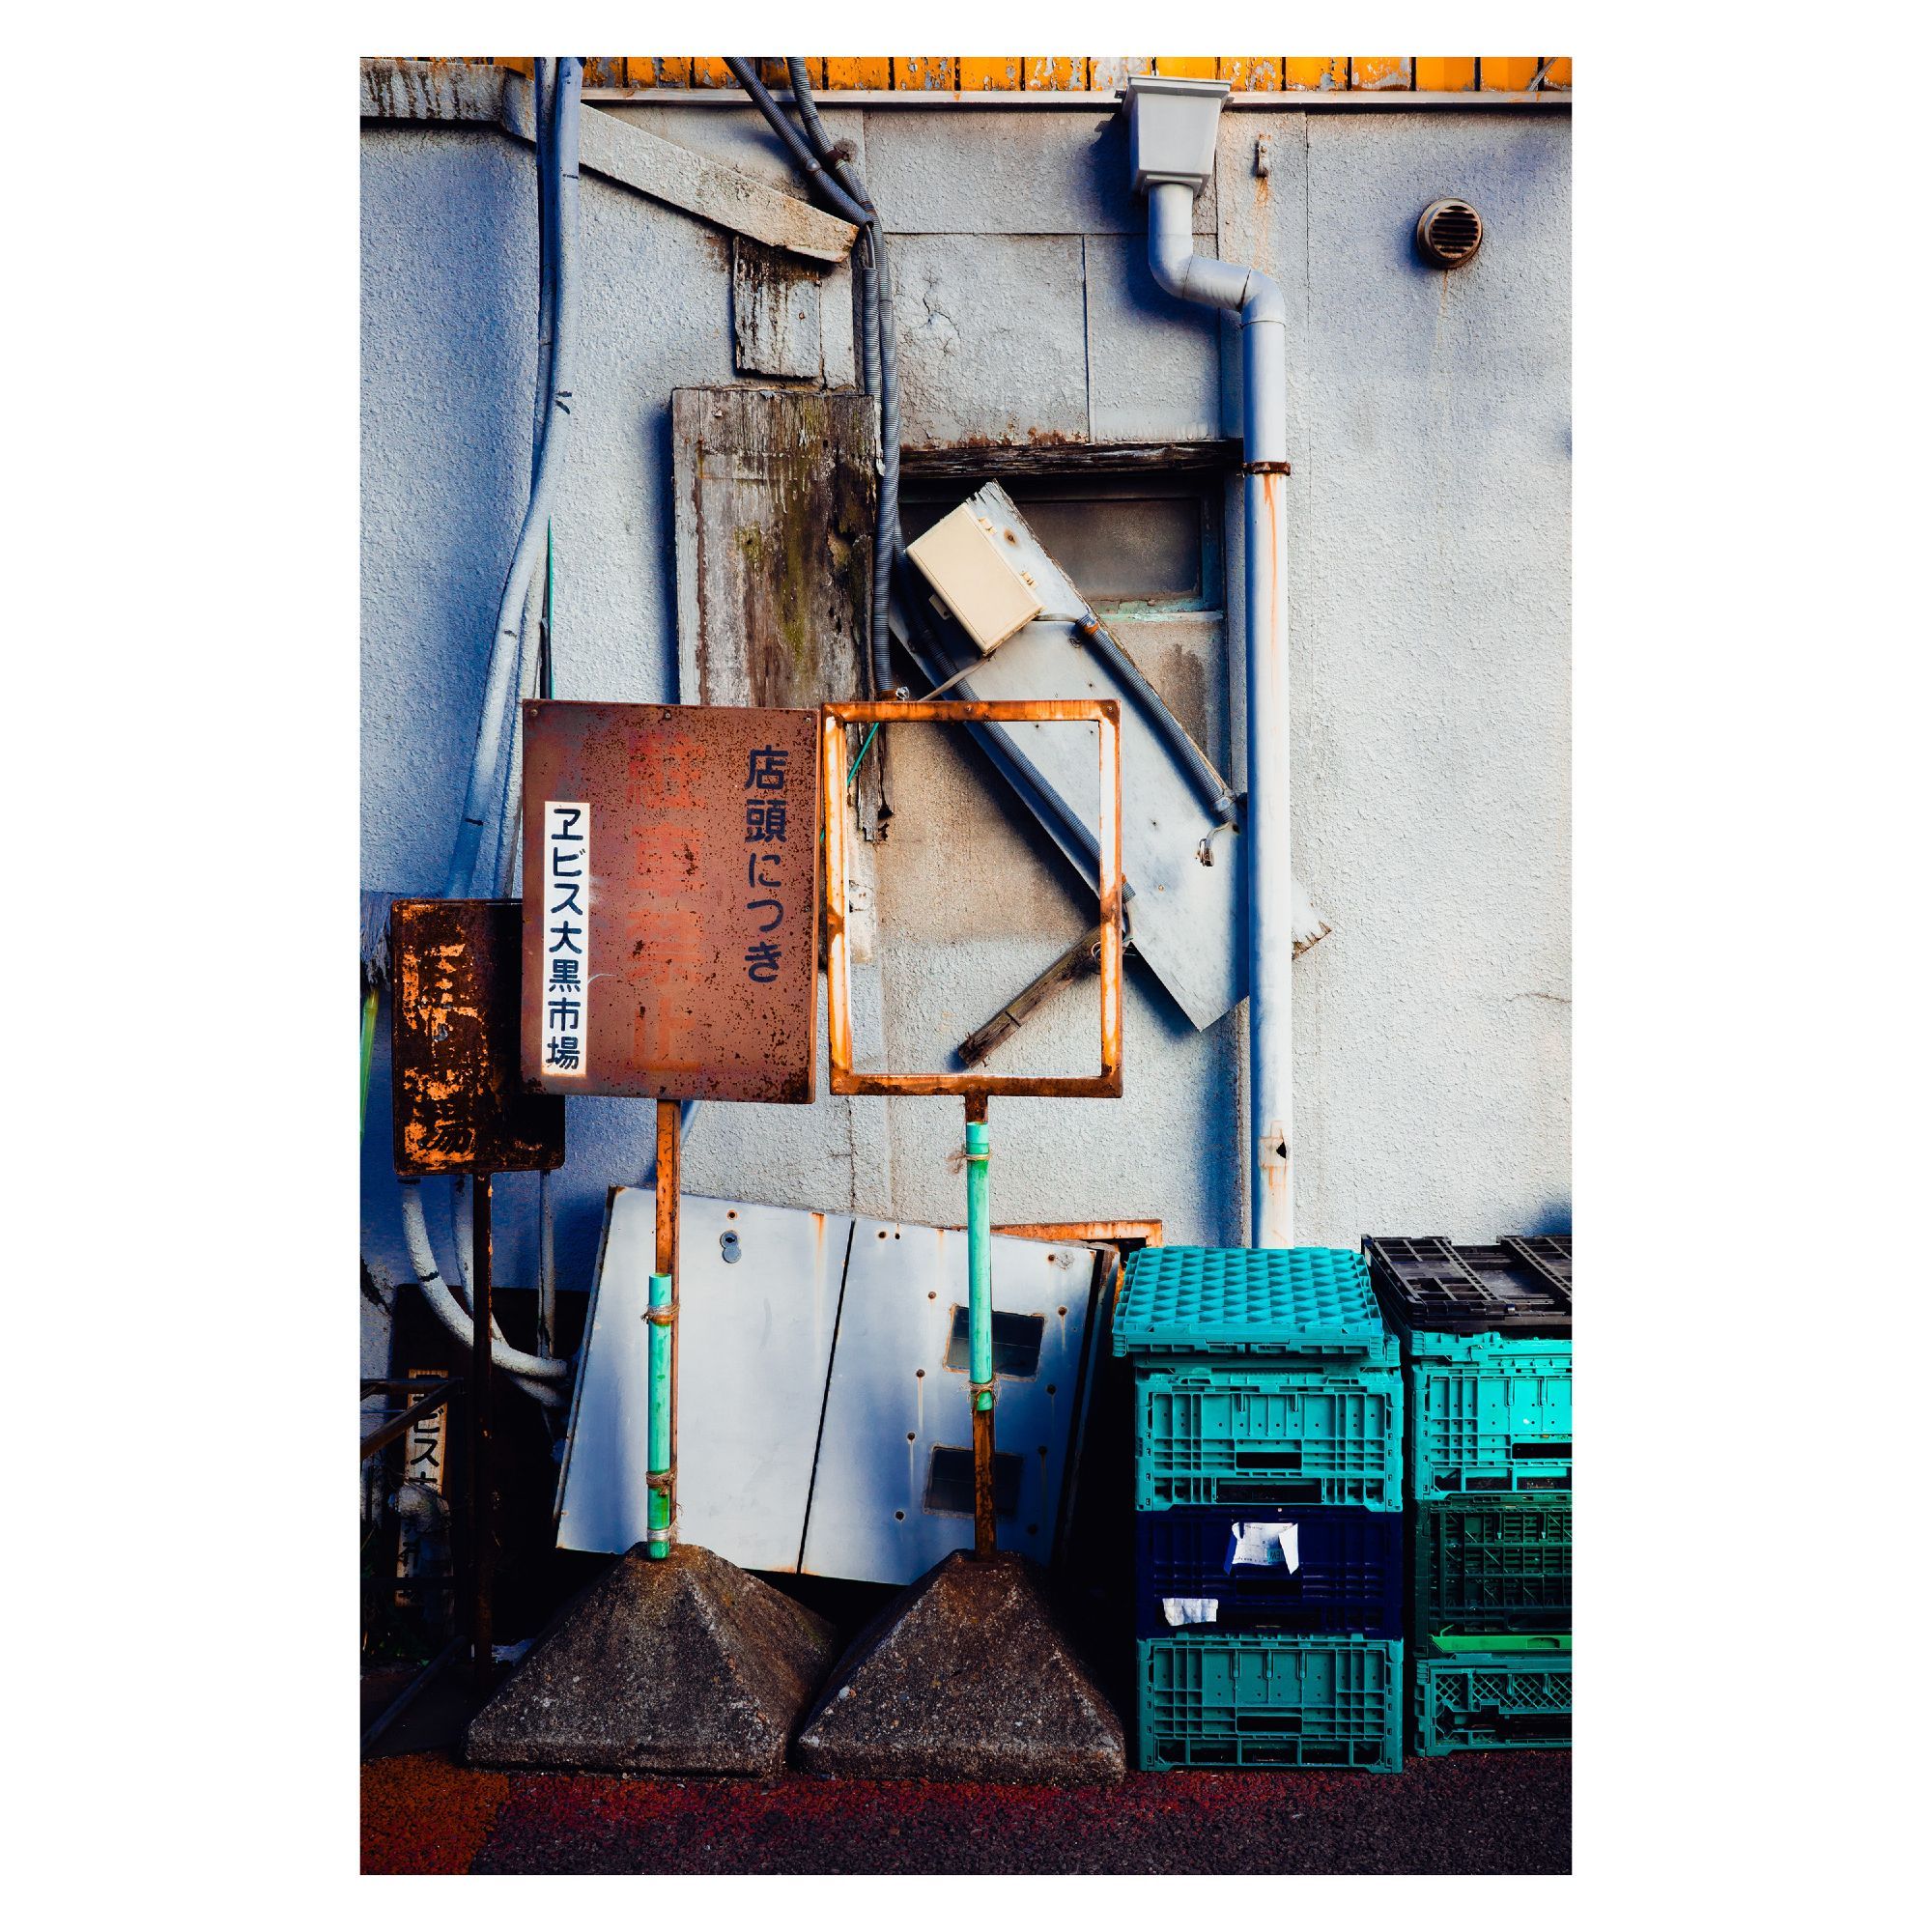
(1555, 1219)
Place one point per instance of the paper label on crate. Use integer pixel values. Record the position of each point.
(1276, 1545)
(566, 939)
(1178, 1611)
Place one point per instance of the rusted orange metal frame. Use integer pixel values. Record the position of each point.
(1103, 1231)
(1103, 712)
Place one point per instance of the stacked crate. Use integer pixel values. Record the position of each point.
(1485, 1336)
(1267, 1497)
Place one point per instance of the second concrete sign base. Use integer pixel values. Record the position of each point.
(968, 1674)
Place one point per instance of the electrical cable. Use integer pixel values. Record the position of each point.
(500, 675)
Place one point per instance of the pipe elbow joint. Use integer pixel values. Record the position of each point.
(1264, 301)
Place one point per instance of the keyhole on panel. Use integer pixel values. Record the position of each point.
(728, 1244)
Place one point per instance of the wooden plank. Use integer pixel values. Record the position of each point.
(1325, 74)
(1558, 75)
(1507, 74)
(1109, 71)
(977, 461)
(919, 73)
(774, 493)
(672, 174)
(1252, 74)
(1380, 70)
(996, 73)
(1188, 67)
(708, 71)
(604, 70)
(775, 314)
(1435, 74)
(871, 72)
(1049, 73)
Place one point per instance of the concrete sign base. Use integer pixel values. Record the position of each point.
(967, 1675)
(685, 1665)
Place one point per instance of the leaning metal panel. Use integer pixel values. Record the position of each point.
(1184, 872)
(881, 1507)
(757, 1289)
(1104, 714)
(756, 1340)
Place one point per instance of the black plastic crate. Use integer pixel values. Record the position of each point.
(1481, 1566)
(1518, 1285)
(1347, 1581)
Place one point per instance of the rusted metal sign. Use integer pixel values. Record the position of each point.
(458, 1100)
(670, 900)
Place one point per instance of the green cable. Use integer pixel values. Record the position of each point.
(860, 759)
(368, 1048)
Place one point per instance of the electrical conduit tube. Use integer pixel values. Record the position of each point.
(500, 677)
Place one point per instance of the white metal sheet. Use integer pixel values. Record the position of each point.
(754, 1341)
(893, 1400)
(820, 1319)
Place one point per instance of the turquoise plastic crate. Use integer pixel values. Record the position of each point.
(1286, 1304)
(1492, 1701)
(1486, 1414)
(1203, 1434)
(1268, 1703)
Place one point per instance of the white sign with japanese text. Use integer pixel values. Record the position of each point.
(566, 941)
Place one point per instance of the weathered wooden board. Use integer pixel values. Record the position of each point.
(693, 181)
(775, 492)
(776, 329)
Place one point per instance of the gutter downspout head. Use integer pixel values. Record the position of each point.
(1261, 313)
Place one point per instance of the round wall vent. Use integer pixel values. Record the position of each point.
(1448, 234)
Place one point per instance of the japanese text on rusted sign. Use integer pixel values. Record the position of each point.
(670, 900)
(458, 1102)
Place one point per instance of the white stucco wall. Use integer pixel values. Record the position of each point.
(1429, 593)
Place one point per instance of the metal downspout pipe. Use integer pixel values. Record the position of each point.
(1256, 299)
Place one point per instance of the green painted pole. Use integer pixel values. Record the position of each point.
(980, 1312)
(659, 1543)
(980, 1261)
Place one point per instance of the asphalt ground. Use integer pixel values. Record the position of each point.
(1476, 1812)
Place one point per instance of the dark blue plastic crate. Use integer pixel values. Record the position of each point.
(1347, 1581)
(1313, 1305)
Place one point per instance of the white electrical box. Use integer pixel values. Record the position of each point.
(961, 556)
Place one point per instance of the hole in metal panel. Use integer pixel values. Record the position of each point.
(948, 1483)
(1016, 1343)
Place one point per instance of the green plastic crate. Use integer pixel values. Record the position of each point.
(1486, 1413)
(1493, 1700)
(1482, 1565)
(1210, 1435)
(1295, 1306)
(1271, 1703)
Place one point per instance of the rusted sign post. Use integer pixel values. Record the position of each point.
(974, 1087)
(458, 1107)
(671, 940)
